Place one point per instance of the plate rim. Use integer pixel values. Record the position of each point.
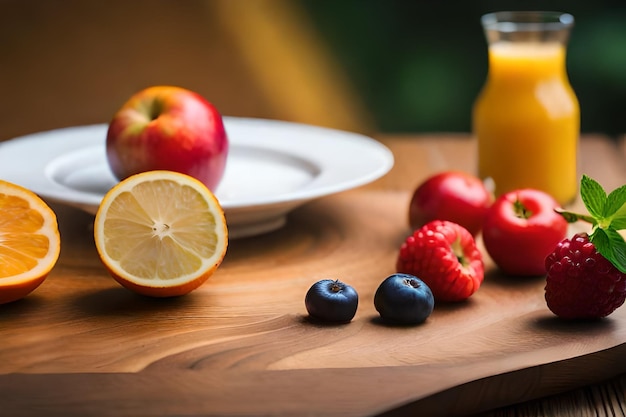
(87, 200)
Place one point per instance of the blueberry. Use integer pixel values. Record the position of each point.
(331, 300)
(404, 298)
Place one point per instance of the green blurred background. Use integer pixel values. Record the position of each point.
(419, 65)
(373, 66)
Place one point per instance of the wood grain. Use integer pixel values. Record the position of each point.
(242, 344)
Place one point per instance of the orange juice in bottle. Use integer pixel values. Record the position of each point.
(526, 118)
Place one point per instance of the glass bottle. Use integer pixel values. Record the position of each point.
(526, 118)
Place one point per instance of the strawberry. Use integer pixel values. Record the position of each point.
(444, 255)
(586, 275)
(580, 282)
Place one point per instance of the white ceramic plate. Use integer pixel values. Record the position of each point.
(272, 168)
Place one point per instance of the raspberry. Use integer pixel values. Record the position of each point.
(444, 255)
(580, 282)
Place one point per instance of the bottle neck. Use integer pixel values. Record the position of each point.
(523, 63)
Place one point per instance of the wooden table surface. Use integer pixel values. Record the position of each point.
(81, 345)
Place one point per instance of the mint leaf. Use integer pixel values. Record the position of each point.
(614, 210)
(611, 245)
(619, 253)
(618, 220)
(600, 240)
(615, 201)
(607, 214)
(594, 197)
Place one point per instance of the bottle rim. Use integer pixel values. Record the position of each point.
(528, 21)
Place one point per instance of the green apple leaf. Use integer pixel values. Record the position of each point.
(594, 196)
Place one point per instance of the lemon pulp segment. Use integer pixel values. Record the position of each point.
(159, 230)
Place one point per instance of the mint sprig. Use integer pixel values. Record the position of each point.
(607, 215)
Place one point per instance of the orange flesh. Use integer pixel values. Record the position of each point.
(21, 247)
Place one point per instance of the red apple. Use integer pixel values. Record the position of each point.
(168, 128)
(521, 228)
(453, 196)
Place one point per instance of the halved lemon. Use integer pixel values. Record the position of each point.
(161, 233)
(29, 241)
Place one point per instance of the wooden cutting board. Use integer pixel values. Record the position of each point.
(242, 344)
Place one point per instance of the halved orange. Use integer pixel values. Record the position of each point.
(160, 233)
(29, 241)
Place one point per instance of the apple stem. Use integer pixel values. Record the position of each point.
(521, 211)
